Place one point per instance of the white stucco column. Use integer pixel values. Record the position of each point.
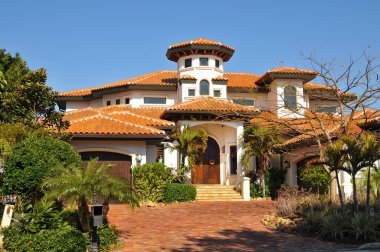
(239, 152)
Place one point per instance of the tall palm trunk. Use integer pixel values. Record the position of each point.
(354, 194)
(341, 199)
(84, 214)
(368, 193)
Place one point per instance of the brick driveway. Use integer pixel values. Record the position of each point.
(205, 226)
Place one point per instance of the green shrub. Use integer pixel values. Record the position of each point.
(31, 160)
(107, 237)
(179, 193)
(276, 178)
(150, 181)
(315, 179)
(256, 190)
(64, 239)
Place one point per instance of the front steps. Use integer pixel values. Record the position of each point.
(217, 193)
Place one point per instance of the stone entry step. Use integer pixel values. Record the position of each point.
(217, 193)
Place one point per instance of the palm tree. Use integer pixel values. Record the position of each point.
(334, 161)
(77, 186)
(260, 142)
(190, 143)
(372, 149)
(355, 158)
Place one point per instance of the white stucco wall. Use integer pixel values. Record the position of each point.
(136, 97)
(73, 105)
(131, 148)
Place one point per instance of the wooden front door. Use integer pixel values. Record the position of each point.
(207, 168)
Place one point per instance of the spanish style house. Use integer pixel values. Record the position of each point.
(127, 122)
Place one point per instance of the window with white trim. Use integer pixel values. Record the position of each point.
(188, 62)
(244, 101)
(108, 103)
(290, 97)
(203, 61)
(204, 87)
(191, 92)
(117, 101)
(326, 109)
(217, 93)
(154, 100)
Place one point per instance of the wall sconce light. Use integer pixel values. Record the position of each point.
(10, 199)
(160, 159)
(286, 164)
(138, 159)
(224, 149)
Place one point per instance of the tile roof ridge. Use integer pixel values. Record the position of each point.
(241, 73)
(140, 116)
(149, 128)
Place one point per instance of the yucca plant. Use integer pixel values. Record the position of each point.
(364, 227)
(335, 225)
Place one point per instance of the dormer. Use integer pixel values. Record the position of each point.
(200, 65)
(286, 97)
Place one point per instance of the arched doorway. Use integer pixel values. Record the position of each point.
(121, 164)
(207, 169)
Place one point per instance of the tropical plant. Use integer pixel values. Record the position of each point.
(260, 142)
(334, 162)
(190, 143)
(31, 160)
(315, 178)
(77, 185)
(150, 181)
(372, 150)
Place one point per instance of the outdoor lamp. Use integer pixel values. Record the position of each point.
(10, 199)
(138, 159)
(286, 164)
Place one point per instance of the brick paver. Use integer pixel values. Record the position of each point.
(206, 226)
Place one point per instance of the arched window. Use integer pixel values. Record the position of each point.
(204, 87)
(290, 97)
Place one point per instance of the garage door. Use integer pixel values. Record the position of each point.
(121, 164)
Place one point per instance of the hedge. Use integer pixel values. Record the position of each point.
(179, 193)
(66, 239)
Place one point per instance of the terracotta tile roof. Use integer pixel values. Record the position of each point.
(159, 78)
(242, 80)
(113, 120)
(220, 78)
(106, 125)
(153, 112)
(332, 124)
(170, 78)
(187, 77)
(287, 72)
(201, 41)
(292, 70)
(210, 104)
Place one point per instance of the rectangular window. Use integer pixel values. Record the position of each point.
(191, 92)
(203, 61)
(328, 110)
(188, 62)
(117, 102)
(126, 100)
(154, 100)
(217, 63)
(217, 93)
(242, 101)
(108, 103)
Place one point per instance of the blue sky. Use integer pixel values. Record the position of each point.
(90, 43)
